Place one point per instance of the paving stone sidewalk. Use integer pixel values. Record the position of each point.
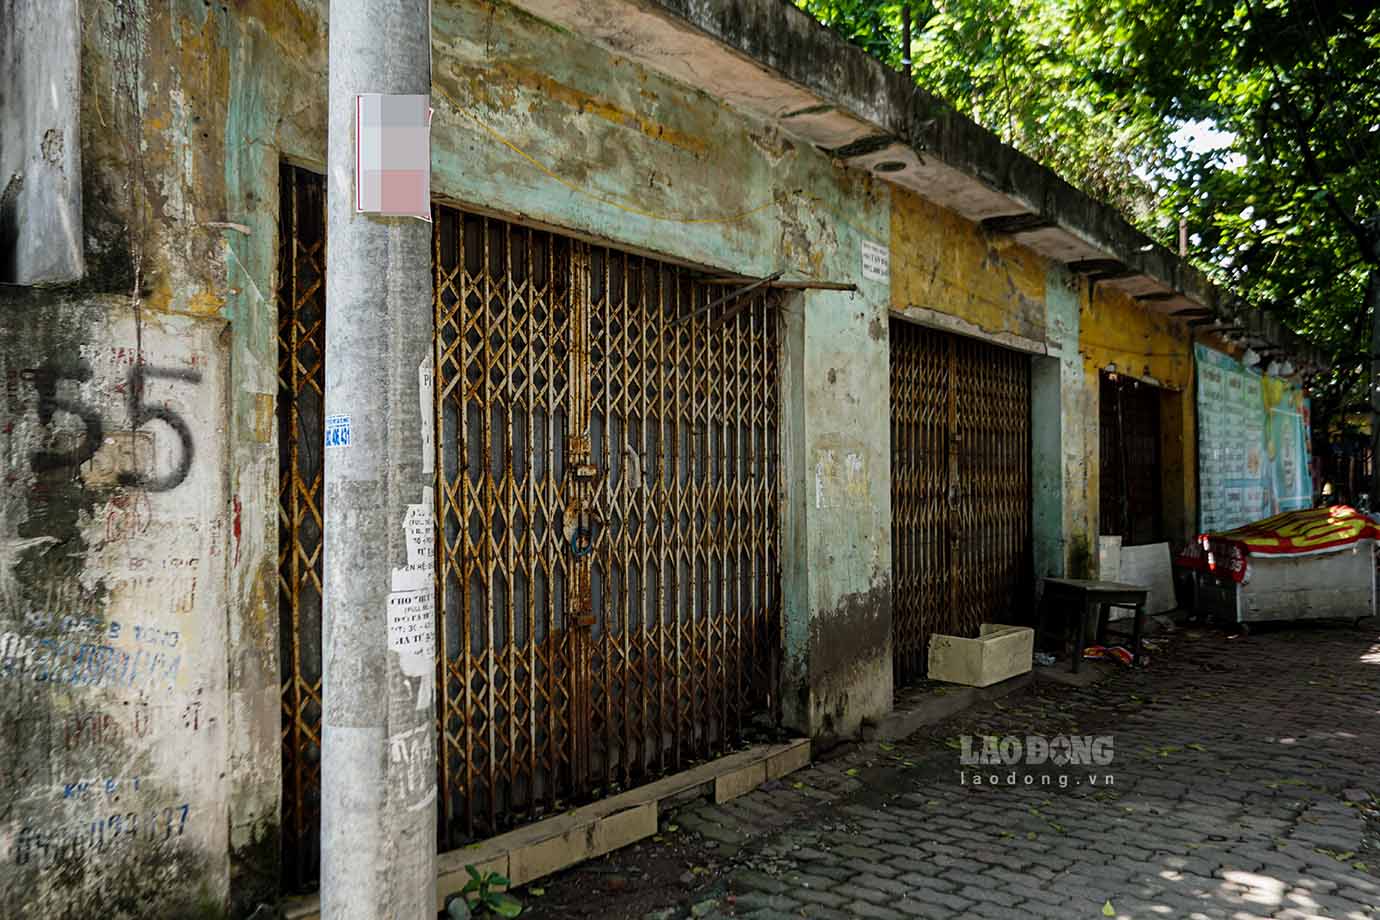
(1243, 784)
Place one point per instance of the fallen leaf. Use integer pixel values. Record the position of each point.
(1108, 910)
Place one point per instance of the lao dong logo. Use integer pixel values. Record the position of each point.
(1036, 750)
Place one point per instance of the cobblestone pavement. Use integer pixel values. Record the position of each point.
(1243, 784)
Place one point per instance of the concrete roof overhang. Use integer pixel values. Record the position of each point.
(771, 59)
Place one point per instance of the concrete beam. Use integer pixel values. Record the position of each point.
(770, 58)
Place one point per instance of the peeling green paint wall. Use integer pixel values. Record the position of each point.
(1063, 521)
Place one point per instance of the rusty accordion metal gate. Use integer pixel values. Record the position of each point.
(960, 488)
(607, 507)
(608, 513)
(301, 301)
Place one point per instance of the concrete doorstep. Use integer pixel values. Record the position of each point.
(918, 708)
(561, 841)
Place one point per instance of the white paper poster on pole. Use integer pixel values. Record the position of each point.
(426, 391)
(412, 600)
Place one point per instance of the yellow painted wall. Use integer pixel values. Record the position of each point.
(939, 261)
(1116, 329)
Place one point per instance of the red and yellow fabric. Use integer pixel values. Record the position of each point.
(1292, 533)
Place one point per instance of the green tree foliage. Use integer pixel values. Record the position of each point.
(1284, 211)
(1021, 68)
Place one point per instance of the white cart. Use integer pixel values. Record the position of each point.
(1333, 585)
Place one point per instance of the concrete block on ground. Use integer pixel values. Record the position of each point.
(998, 653)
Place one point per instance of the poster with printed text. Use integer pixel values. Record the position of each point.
(1253, 444)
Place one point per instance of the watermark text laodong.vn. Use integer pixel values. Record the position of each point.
(1028, 760)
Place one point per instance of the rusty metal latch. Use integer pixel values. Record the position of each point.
(580, 525)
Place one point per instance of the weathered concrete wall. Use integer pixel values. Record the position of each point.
(112, 618)
(139, 526)
(40, 146)
(1063, 526)
(837, 488)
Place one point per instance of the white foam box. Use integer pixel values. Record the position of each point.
(998, 653)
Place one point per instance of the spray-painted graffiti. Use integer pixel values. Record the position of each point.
(132, 450)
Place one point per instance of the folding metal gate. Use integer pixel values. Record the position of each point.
(301, 299)
(607, 501)
(1129, 489)
(960, 488)
(607, 518)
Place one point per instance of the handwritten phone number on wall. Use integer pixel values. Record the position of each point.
(43, 849)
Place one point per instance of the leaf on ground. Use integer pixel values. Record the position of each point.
(851, 771)
(505, 905)
(536, 892)
(887, 747)
(1108, 910)
(1030, 835)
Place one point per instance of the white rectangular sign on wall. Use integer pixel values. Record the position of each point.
(876, 262)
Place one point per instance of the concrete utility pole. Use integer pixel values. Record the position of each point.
(378, 751)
